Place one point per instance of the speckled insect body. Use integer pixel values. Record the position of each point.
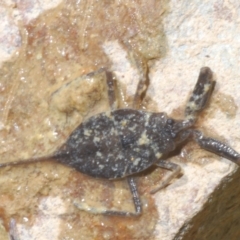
(123, 142)
(118, 143)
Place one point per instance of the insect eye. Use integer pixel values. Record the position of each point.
(170, 121)
(170, 127)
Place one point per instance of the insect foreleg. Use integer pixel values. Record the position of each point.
(201, 93)
(215, 146)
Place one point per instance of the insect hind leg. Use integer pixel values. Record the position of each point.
(201, 93)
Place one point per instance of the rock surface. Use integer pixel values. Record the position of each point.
(197, 34)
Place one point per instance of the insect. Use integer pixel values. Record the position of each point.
(123, 142)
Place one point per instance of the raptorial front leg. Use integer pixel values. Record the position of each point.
(215, 146)
(175, 172)
(201, 93)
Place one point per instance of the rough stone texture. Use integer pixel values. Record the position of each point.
(13, 12)
(199, 33)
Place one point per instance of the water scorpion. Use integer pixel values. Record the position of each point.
(123, 142)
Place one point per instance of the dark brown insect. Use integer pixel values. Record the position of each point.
(123, 142)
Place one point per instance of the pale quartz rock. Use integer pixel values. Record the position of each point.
(10, 37)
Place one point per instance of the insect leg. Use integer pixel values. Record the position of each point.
(215, 146)
(175, 172)
(13, 234)
(136, 201)
(141, 65)
(111, 83)
(201, 93)
(141, 89)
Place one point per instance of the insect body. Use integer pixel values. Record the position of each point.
(118, 144)
(123, 142)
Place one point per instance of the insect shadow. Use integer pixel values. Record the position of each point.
(123, 142)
